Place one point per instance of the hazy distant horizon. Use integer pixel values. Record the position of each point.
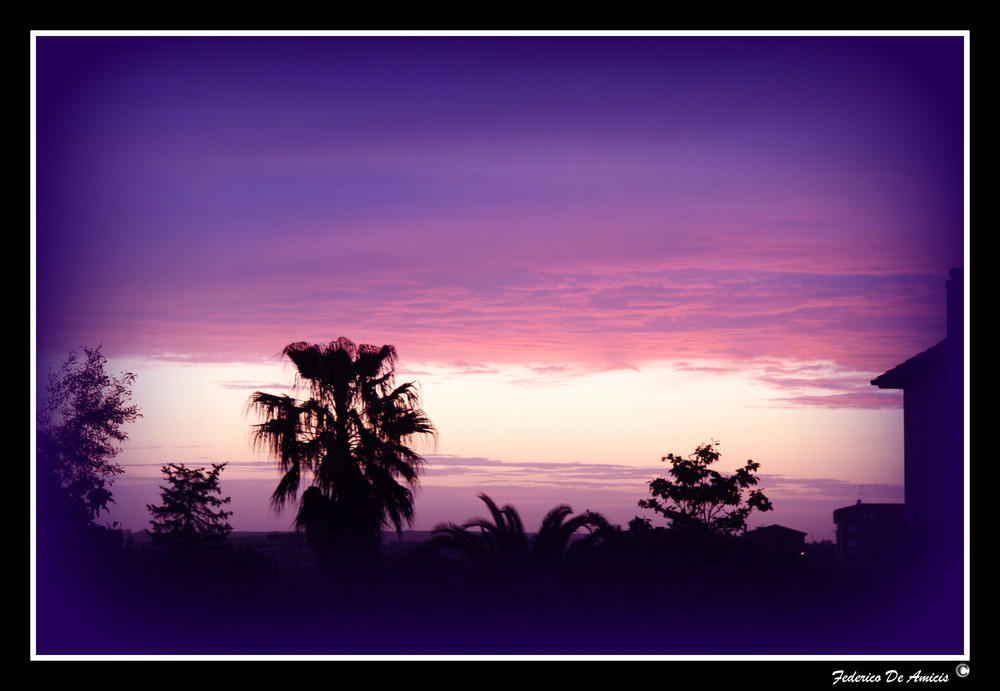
(805, 504)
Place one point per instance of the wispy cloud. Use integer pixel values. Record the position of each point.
(443, 468)
(829, 489)
(162, 446)
(595, 320)
(243, 385)
(822, 384)
(871, 401)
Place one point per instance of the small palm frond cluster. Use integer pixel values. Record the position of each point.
(500, 543)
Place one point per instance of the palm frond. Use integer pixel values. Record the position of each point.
(486, 525)
(468, 546)
(287, 488)
(554, 518)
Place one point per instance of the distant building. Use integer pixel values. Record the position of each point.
(824, 552)
(777, 539)
(869, 532)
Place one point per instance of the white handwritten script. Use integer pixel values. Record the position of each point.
(889, 676)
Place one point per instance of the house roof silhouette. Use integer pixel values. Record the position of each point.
(940, 357)
(776, 530)
(902, 374)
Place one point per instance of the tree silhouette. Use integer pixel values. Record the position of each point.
(699, 498)
(79, 431)
(79, 420)
(351, 439)
(191, 511)
(500, 543)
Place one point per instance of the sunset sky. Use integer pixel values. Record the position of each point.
(590, 251)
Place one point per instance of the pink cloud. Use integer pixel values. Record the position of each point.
(646, 213)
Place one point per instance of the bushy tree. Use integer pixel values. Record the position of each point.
(191, 510)
(698, 498)
(351, 439)
(79, 424)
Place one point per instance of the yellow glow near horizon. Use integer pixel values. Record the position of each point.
(636, 417)
(194, 413)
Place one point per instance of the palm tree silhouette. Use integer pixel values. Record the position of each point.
(554, 542)
(354, 436)
(500, 544)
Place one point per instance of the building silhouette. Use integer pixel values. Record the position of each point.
(777, 539)
(930, 522)
(933, 425)
(869, 532)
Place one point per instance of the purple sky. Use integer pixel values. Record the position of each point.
(783, 207)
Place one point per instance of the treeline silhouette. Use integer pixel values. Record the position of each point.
(629, 591)
(577, 585)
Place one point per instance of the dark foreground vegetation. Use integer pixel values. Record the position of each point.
(575, 586)
(632, 595)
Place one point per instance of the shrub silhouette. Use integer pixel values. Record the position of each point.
(700, 501)
(190, 513)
